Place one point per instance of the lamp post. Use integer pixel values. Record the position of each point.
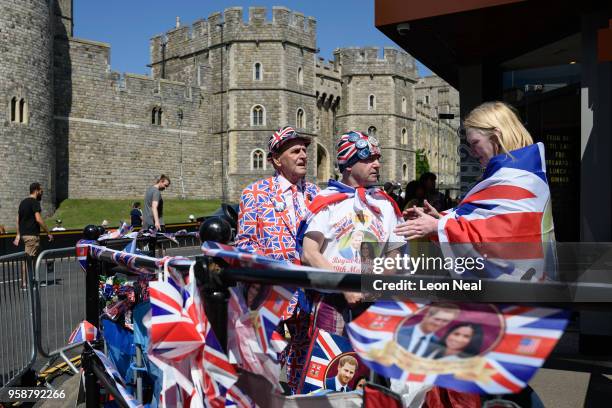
(442, 116)
(179, 115)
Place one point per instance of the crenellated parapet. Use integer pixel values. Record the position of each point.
(368, 61)
(229, 26)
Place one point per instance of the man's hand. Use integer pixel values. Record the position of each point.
(50, 237)
(353, 297)
(16, 240)
(157, 226)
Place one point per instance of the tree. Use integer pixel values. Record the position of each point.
(422, 164)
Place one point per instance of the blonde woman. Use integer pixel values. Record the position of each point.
(509, 205)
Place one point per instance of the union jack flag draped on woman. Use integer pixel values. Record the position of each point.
(506, 215)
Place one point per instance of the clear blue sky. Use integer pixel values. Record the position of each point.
(129, 24)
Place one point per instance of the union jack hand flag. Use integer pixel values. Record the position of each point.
(117, 380)
(513, 343)
(85, 332)
(180, 331)
(82, 248)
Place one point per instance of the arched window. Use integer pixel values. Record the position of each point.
(23, 111)
(403, 104)
(404, 139)
(371, 102)
(258, 115)
(257, 160)
(371, 131)
(300, 76)
(14, 109)
(156, 116)
(300, 120)
(405, 171)
(257, 74)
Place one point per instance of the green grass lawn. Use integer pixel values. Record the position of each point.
(78, 213)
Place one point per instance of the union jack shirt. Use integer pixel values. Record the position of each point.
(265, 225)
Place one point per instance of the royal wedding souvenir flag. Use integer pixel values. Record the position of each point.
(323, 365)
(475, 348)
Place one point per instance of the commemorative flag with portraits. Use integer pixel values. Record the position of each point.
(475, 348)
(322, 363)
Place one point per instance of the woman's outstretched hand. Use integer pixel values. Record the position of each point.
(420, 224)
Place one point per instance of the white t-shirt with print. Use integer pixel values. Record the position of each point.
(344, 229)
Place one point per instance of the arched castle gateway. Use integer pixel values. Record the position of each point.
(217, 89)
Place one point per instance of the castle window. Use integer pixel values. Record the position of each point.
(426, 99)
(258, 115)
(371, 102)
(23, 111)
(404, 139)
(257, 160)
(404, 171)
(156, 116)
(14, 109)
(371, 131)
(300, 121)
(300, 76)
(403, 104)
(257, 74)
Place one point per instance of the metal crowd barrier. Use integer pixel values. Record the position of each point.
(17, 338)
(40, 318)
(59, 283)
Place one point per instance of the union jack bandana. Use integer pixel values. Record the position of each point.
(281, 136)
(354, 146)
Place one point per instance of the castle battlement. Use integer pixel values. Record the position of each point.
(329, 65)
(146, 85)
(229, 26)
(376, 61)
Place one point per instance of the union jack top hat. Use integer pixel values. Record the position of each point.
(281, 136)
(354, 146)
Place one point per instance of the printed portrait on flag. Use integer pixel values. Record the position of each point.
(332, 364)
(344, 371)
(477, 348)
(447, 331)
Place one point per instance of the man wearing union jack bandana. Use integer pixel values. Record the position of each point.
(341, 211)
(270, 212)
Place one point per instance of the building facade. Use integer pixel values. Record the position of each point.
(217, 90)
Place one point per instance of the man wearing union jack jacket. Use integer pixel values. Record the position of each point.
(345, 212)
(270, 212)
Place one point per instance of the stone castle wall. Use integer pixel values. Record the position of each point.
(26, 140)
(99, 140)
(106, 136)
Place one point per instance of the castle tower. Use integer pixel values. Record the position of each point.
(26, 104)
(260, 75)
(377, 98)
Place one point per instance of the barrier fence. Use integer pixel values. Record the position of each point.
(40, 319)
(17, 346)
(216, 278)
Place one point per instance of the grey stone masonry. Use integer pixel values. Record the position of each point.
(218, 89)
(26, 101)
